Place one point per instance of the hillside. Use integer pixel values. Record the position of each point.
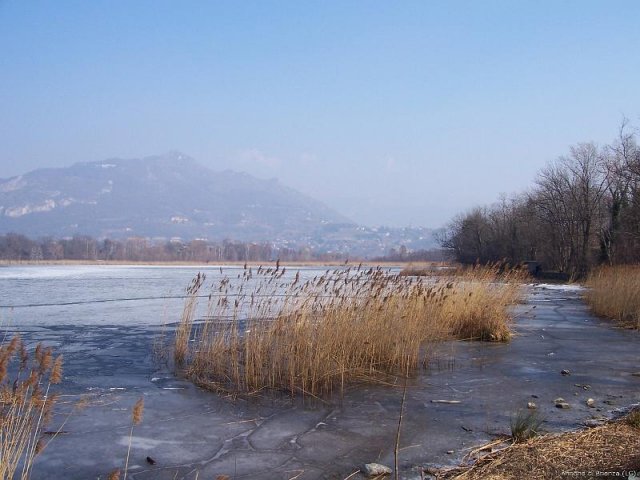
(161, 196)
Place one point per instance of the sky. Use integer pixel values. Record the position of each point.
(394, 113)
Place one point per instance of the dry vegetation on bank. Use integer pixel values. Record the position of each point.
(614, 292)
(270, 330)
(430, 270)
(605, 451)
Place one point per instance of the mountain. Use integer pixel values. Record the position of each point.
(161, 196)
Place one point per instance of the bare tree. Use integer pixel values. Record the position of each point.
(620, 236)
(569, 198)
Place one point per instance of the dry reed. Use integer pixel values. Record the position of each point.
(114, 475)
(614, 292)
(268, 329)
(136, 418)
(184, 329)
(26, 405)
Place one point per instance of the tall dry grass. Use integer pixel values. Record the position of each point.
(183, 331)
(268, 329)
(614, 292)
(26, 405)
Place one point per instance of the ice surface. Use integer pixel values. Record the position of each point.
(188, 431)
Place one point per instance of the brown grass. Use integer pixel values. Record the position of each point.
(25, 404)
(431, 270)
(183, 331)
(614, 292)
(270, 330)
(613, 447)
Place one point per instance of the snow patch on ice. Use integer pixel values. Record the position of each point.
(566, 287)
(145, 443)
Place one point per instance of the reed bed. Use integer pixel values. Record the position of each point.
(26, 405)
(271, 330)
(614, 292)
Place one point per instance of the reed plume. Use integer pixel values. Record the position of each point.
(136, 418)
(273, 331)
(26, 405)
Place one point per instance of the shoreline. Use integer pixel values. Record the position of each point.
(367, 263)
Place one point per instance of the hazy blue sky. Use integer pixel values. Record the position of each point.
(394, 113)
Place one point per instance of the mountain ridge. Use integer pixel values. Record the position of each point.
(170, 195)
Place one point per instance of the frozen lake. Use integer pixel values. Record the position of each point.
(104, 319)
(108, 294)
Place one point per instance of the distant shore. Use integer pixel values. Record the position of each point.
(368, 263)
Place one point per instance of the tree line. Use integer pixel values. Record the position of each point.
(15, 246)
(583, 210)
